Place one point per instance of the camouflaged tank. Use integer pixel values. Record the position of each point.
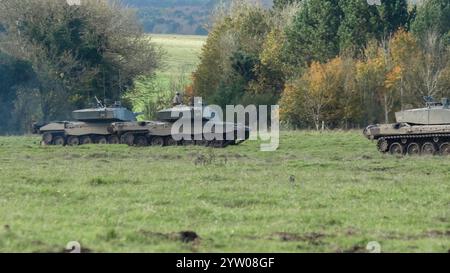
(91, 126)
(159, 133)
(424, 131)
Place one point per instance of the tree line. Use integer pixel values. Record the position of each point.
(56, 57)
(342, 63)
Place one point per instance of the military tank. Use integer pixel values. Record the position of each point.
(423, 131)
(159, 133)
(90, 126)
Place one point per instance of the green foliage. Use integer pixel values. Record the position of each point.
(229, 93)
(313, 35)
(279, 4)
(15, 75)
(243, 65)
(393, 15)
(150, 96)
(231, 59)
(360, 24)
(76, 52)
(323, 29)
(433, 16)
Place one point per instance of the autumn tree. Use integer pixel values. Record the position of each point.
(325, 93)
(431, 67)
(405, 54)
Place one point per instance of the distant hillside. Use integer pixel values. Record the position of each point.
(175, 16)
(179, 16)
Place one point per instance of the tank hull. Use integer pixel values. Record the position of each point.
(159, 133)
(403, 138)
(76, 133)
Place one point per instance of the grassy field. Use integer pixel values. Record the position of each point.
(329, 192)
(182, 54)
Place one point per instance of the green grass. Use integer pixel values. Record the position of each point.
(182, 54)
(122, 199)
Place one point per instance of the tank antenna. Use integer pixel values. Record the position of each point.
(99, 103)
(104, 85)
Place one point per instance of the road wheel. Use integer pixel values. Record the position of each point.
(127, 139)
(101, 140)
(47, 138)
(113, 140)
(396, 149)
(157, 141)
(86, 140)
(59, 141)
(428, 148)
(445, 149)
(383, 145)
(413, 149)
(73, 141)
(171, 142)
(141, 141)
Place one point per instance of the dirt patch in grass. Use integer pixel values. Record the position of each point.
(354, 249)
(72, 156)
(427, 234)
(182, 236)
(169, 157)
(437, 233)
(312, 238)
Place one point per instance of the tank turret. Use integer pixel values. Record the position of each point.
(106, 114)
(182, 111)
(435, 113)
(101, 113)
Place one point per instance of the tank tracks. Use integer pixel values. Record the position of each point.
(130, 139)
(423, 144)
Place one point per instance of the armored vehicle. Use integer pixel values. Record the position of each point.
(159, 133)
(423, 131)
(91, 126)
